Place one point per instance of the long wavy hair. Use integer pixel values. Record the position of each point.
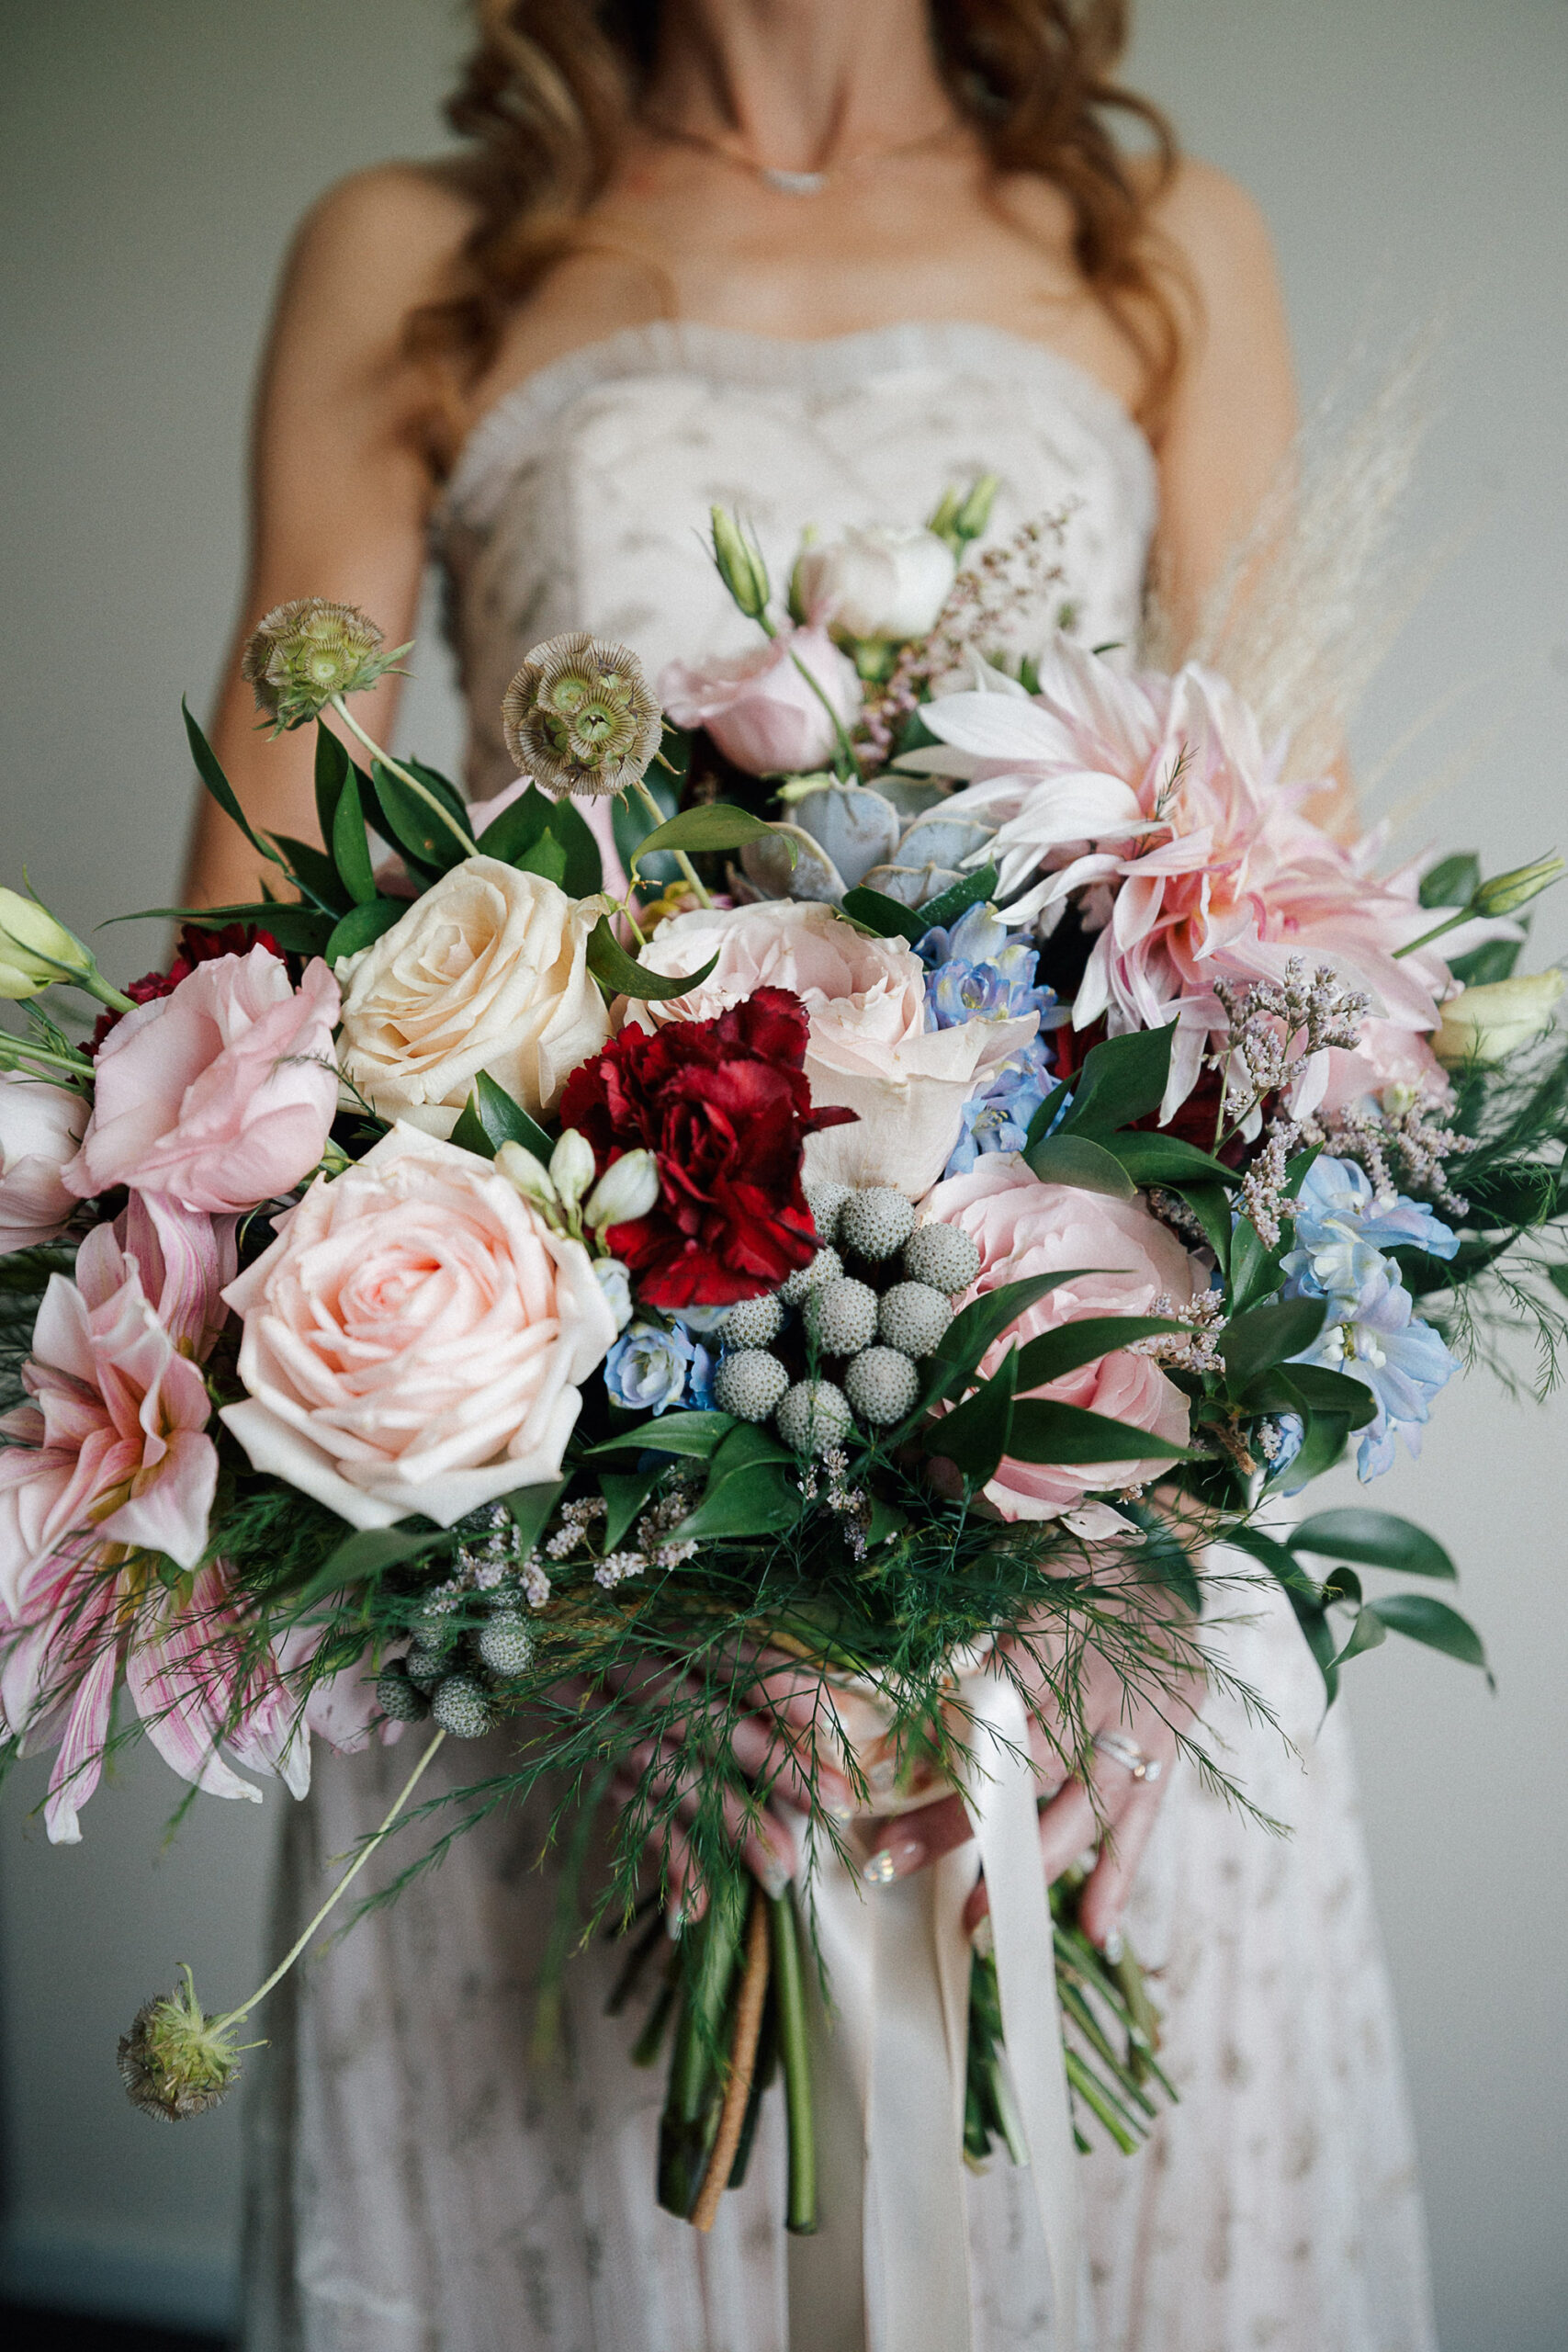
(549, 90)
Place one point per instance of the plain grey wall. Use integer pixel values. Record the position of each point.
(154, 154)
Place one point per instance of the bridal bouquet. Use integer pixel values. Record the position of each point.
(840, 1227)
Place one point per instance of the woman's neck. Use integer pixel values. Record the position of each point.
(801, 84)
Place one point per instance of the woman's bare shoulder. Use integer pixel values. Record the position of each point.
(1216, 225)
(384, 239)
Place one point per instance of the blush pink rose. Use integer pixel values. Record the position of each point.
(220, 1095)
(758, 709)
(1020, 1227)
(415, 1338)
(869, 1049)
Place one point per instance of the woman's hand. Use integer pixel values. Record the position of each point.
(1114, 1817)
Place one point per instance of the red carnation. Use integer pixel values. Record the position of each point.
(198, 945)
(724, 1107)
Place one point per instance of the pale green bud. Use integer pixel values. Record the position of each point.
(1489, 1023)
(625, 1193)
(1507, 893)
(526, 1175)
(740, 564)
(35, 951)
(571, 1168)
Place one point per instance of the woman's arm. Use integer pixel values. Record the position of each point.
(342, 476)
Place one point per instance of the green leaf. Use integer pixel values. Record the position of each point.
(350, 851)
(415, 825)
(1311, 1388)
(717, 824)
(490, 1118)
(219, 785)
(363, 925)
(975, 1435)
(585, 875)
(957, 899)
(875, 912)
(625, 1493)
(1074, 1159)
(332, 767)
(698, 1434)
(1255, 1271)
(1421, 1619)
(299, 930)
(760, 1500)
(546, 857)
(1494, 960)
(609, 963)
(1268, 1335)
(746, 1445)
(1122, 1079)
(512, 834)
(1374, 1539)
(973, 1328)
(1166, 1160)
(368, 1552)
(1322, 1446)
(1063, 1350)
(531, 1507)
(1367, 1632)
(1210, 1204)
(1280, 1562)
(1453, 882)
(1044, 1431)
(312, 871)
(628, 818)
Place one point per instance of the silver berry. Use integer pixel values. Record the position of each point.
(876, 1223)
(507, 1642)
(749, 1383)
(825, 1201)
(753, 1322)
(399, 1698)
(912, 1318)
(814, 1415)
(826, 1267)
(881, 1386)
(942, 1255)
(434, 1629)
(424, 1668)
(841, 1317)
(461, 1706)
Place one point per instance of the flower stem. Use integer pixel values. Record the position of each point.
(15, 1052)
(846, 748)
(236, 2016)
(742, 2065)
(682, 860)
(1450, 922)
(789, 1979)
(395, 767)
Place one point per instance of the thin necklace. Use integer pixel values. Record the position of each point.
(798, 183)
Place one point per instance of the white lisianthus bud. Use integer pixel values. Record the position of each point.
(1487, 1025)
(571, 1168)
(35, 950)
(739, 562)
(527, 1175)
(881, 581)
(1507, 893)
(614, 1279)
(624, 1191)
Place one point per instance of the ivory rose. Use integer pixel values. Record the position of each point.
(40, 1130)
(488, 972)
(1020, 1227)
(415, 1338)
(869, 1049)
(220, 1095)
(758, 709)
(879, 580)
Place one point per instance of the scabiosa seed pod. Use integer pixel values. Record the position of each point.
(912, 1318)
(305, 651)
(461, 1704)
(399, 1698)
(841, 1315)
(943, 1255)
(814, 1417)
(753, 1322)
(876, 1223)
(749, 1383)
(881, 1386)
(177, 2060)
(579, 716)
(826, 1267)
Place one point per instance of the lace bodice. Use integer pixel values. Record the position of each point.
(580, 499)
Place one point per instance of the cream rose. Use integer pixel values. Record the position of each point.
(415, 1338)
(870, 1049)
(488, 972)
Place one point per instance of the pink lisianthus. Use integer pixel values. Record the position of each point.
(220, 1095)
(40, 1132)
(758, 709)
(1155, 798)
(108, 1464)
(1022, 1228)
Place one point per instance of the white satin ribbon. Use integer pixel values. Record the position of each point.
(897, 1963)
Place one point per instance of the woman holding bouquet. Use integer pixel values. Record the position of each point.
(817, 258)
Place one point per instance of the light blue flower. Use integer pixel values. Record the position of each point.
(647, 1368)
(1377, 1339)
(699, 1377)
(998, 1119)
(981, 972)
(1342, 1231)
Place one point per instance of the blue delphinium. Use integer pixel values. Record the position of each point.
(980, 971)
(1371, 1332)
(648, 1368)
(998, 1119)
